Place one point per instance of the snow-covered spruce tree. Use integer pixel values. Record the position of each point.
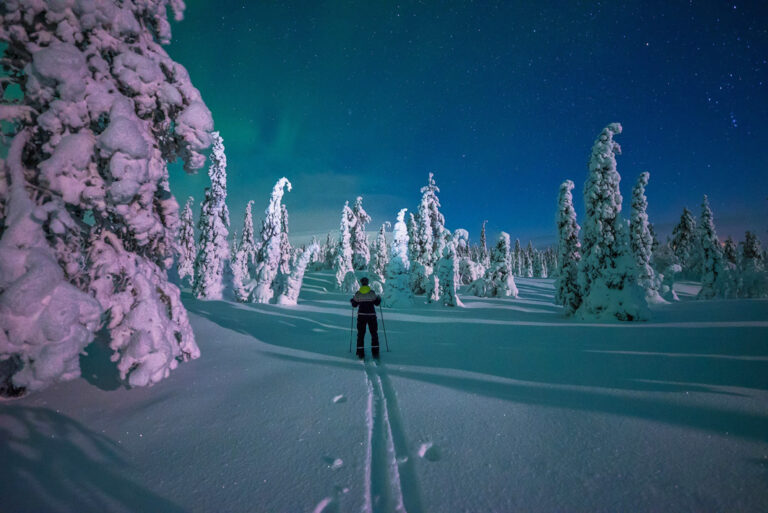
(244, 257)
(730, 251)
(753, 279)
(213, 248)
(539, 265)
(432, 287)
(641, 241)
(461, 240)
(431, 224)
(423, 237)
(484, 254)
(751, 252)
(316, 259)
(286, 250)
(666, 268)
(518, 259)
(103, 109)
(187, 248)
(46, 321)
(416, 251)
(684, 241)
(247, 239)
(500, 273)
(235, 244)
(330, 250)
(414, 245)
(290, 285)
(567, 291)
(607, 275)
(447, 272)
(654, 239)
(342, 264)
(240, 276)
(380, 254)
(269, 256)
(397, 291)
(467, 269)
(528, 261)
(361, 253)
(550, 257)
(710, 253)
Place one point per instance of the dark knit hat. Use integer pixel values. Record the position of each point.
(363, 281)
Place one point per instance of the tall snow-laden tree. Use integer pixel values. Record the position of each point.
(361, 253)
(684, 241)
(730, 251)
(567, 291)
(240, 275)
(213, 248)
(286, 251)
(414, 245)
(380, 254)
(466, 268)
(270, 252)
(431, 224)
(528, 261)
(711, 255)
(244, 257)
(540, 269)
(316, 260)
(397, 291)
(501, 281)
(330, 250)
(291, 283)
(607, 275)
(102, 110)
(641, 241)
(235, 244)
(447, 272)
(518, 259)
(654, 239)
(342, 264)
(751, 251)
(550, 257)
(484, 255)
(247, 240)
(461, 240)
(419, 271)
(187, 248)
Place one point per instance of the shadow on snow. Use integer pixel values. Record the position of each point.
(488, 349)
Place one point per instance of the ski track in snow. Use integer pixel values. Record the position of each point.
(390, 479)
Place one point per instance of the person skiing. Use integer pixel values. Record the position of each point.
(366, 301)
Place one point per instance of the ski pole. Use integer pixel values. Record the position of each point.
(384, 327)
(351, 321)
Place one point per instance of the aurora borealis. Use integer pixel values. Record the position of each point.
(501, 100)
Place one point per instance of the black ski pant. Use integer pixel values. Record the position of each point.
(373, 327)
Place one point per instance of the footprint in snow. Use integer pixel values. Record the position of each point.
(333, 463)
(429, 452)
(330, 504)
(340, 399)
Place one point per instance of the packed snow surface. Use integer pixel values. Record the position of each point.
(504, 405)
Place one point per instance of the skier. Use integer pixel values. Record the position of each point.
(366, 300)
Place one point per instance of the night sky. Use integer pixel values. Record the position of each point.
(502, 101)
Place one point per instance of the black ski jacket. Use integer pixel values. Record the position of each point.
(367, 300)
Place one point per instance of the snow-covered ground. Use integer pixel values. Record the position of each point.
(501, 406)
